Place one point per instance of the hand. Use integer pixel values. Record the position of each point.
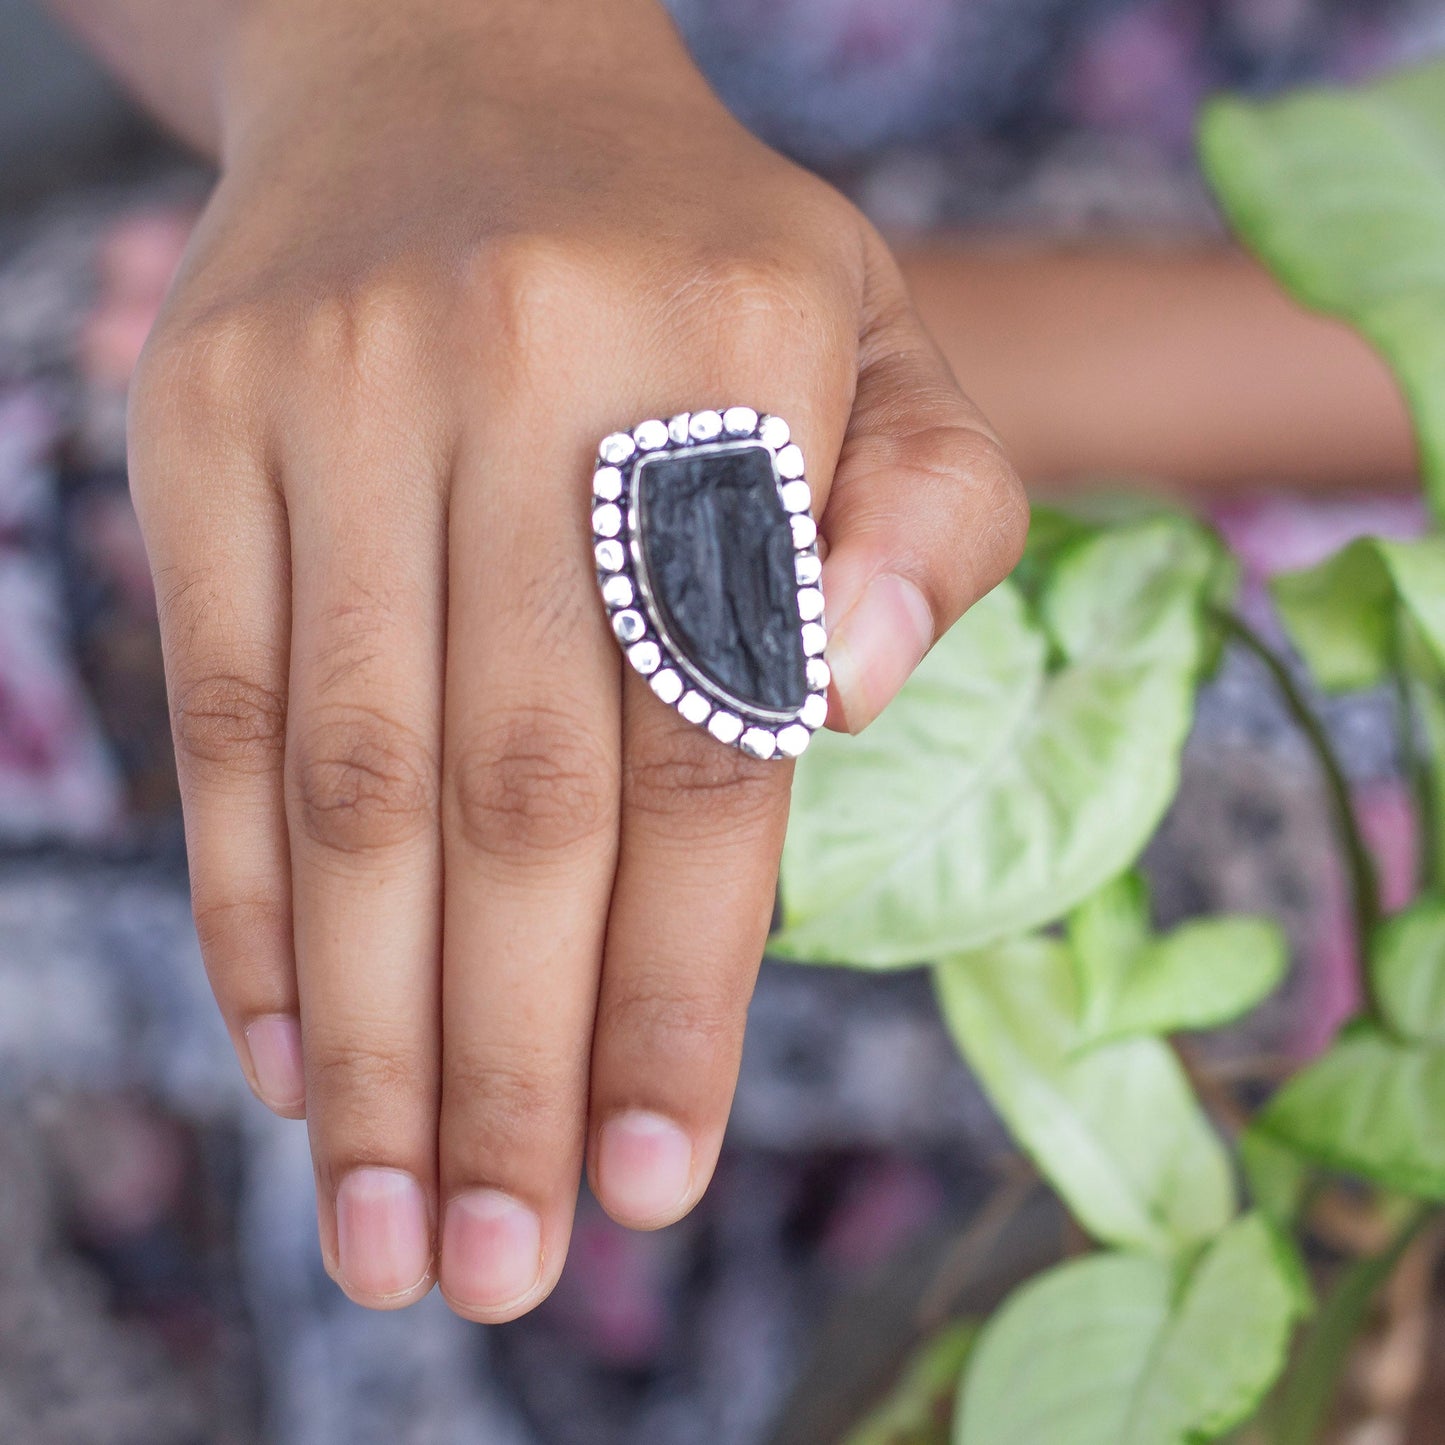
(515, 903)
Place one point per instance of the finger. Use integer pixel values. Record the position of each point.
(926, 513)
(367, 519)
(697, 875)
(533, 741)
(215, 532)
(702, 831)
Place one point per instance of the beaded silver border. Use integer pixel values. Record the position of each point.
(637, 622)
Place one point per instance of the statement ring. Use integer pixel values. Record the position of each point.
(707, 560)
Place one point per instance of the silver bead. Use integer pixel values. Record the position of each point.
(773, 432)
(814, 711)
(616, 448)
(609, 556)
(705, 426)
(629, 626)
(617, 591)
(758, 743)
(677, 432)
(819, 674)
(725, 726)
(667, 685)
(790, 462)
(793, 740)
(607, 520)
(607, 484)
(650, 436)
(740, 421)
(694, 707)
(646, 656)
(807, 569)
(810, 604)
(815, 639)
(805, 530)
(797, 496)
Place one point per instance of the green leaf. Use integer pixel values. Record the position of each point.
(1201, 975)
(1342, 615)
(1107, 932)
(1278, 1176)
(1051, 534)
(1342, 194)
(919, 1409)
(1373, 1105)
(1408, 968)
(1025, 763)
(1427, 703)
(1126, 1350)
(1115, 1129)
(1418, 571)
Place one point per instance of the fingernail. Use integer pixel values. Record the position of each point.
(491, 1250)
(275, 1045)
(876, 646)
(383, 1235)
(644, 1167)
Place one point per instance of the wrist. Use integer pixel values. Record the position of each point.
(285, 60)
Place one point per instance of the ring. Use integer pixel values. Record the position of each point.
(707, 561)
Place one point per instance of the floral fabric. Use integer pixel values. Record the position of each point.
(159, 1277)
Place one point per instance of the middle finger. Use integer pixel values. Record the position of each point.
(531, 815)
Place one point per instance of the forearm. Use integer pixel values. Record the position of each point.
(187, 61)
(1185, 367)
(166, 53)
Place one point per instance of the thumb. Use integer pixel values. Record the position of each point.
(925, 514)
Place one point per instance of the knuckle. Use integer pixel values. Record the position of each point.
(198, 366)
(512, 1095)
(982, 505)
(250, 933)
(1010, 524)
(972, 462)
(686, 776)
(526, 290)
(362, 782)
(762, 298)
(347, 1069)
(964, 460)
(676, 1025)
(230, 721)
(533, 784)
(978, 507)
(361, 338)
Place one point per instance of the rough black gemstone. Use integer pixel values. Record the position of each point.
(717, 548)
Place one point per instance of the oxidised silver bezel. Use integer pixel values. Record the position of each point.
(637, 622)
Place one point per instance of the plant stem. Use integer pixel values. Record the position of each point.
(1302, 1406)
(1420, 692)
(1415, 760)
(1364, 884)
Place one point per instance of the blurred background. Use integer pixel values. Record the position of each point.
(159, 1276)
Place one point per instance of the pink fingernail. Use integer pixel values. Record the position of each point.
(491, 1251)
(877, 645)
(383, 1234)
(275, 1045)
(644, 1168)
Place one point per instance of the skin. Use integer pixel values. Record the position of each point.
(515, 903)
(1176, 364)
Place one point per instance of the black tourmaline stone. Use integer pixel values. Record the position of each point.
(717, 548)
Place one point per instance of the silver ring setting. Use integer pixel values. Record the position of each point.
(706, 553)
